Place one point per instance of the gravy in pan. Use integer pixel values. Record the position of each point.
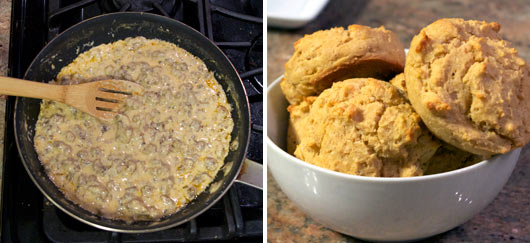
(161, 150)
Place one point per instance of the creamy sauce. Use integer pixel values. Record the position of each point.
(162, 149)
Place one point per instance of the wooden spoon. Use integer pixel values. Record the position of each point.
(100, 99)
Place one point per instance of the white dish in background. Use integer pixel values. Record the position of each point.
(293, 13)
(375, 208)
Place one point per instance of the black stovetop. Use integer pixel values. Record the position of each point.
(234, 25)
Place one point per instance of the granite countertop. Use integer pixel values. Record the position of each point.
(5, 25)
(502, 220)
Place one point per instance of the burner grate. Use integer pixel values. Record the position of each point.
(60, 227)
(164, 7)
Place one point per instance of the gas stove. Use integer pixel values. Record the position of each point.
(235, 26)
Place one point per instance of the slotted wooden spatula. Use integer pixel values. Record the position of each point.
(100, 98)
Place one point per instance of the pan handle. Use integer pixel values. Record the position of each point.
(251, 174)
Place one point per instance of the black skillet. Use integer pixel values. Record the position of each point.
(106, 29)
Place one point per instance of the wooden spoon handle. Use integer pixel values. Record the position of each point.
(20, 87)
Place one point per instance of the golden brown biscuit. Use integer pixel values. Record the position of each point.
(333, 55)
(399, 82)
(448, 158)
(297, 117)
(365, 127)
(469, 86)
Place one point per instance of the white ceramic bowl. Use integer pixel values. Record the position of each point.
(381, 209)
(293, 13)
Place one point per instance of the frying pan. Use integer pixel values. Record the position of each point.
(106, 29)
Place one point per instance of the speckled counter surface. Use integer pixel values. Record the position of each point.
(5, 17)
(507, 217)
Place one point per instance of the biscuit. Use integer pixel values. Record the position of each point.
(297, 117)
(399, 82)
(469, 86)
(365, 127)
(333, 55)
(448, 158)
